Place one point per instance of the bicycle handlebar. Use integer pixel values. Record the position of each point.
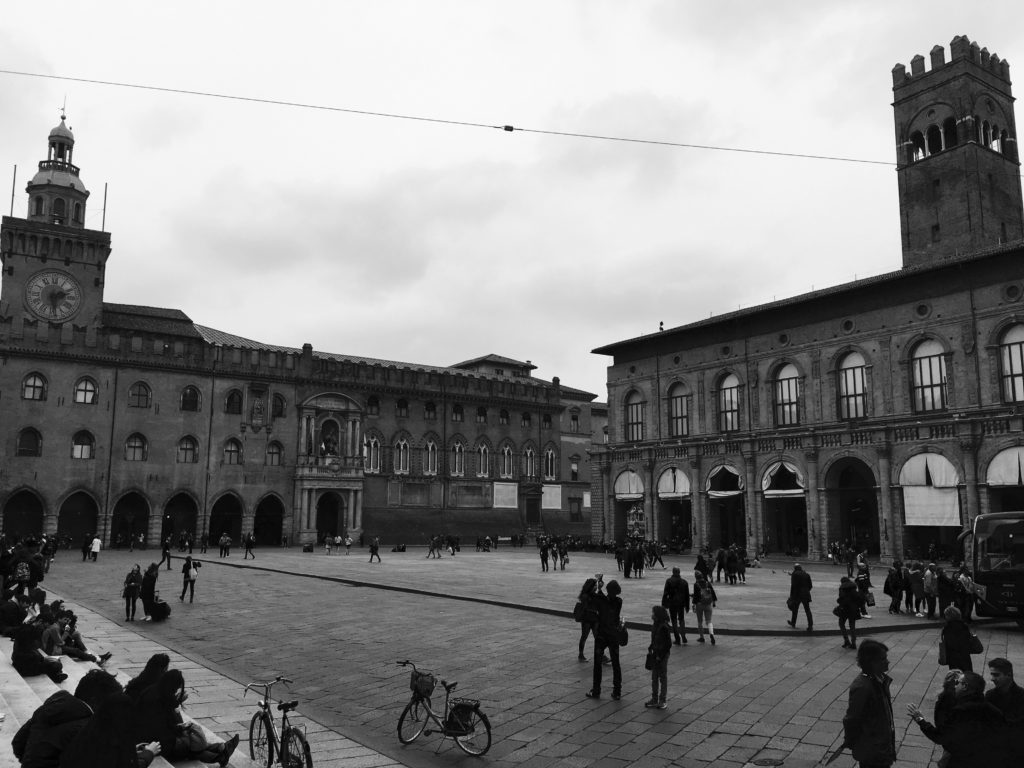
(266, 686)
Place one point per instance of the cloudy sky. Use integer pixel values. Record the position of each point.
(433, 242)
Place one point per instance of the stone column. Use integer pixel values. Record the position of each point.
(816, 528)
(969, 452)
(697, 511)
(359, 510)
(649, 501)
(350, 511)
(890, 536)
(751, 520)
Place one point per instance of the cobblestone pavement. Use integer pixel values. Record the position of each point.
(492, 621)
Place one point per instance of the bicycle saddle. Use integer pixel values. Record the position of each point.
(287, 706)
(449, 686)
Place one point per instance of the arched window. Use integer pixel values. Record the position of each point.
(545, 421)
(139, 395)
(232, 452)
(277, 406)
(373, 405)
(429, 411)
(678, 412)
(456, 412)
(85, 391)
(729, 404)
(934, 140)
(136, 448)
(401, 457)
(994, 143)
(30, 443)
(33, 387)
(458, 467)
(371, 455)
(928, 369)
(1011, 364)
(188, 450)
(190, 399)
(430, 458)
(83, 445)
(59, 209)
(949, 132)
(274, 454)
(78, 212)
(402, 409)
(574, 468)
(233, 403)
(525, 420)
(481, 415)
(529, 463)
(852, 381)
(503, 416)
(916, 150)
(550, 465)
(39, 206)
(786, 390)
(634, 417)
(483, 461)
(506, 462)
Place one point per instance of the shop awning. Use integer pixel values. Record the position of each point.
(1005, 468)
(673, 484)
(629, 486)
(724, 481)
(930, 496)
(783, 479)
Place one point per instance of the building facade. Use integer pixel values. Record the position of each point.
(886, 412)
(127, 420)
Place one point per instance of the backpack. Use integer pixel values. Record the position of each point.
(22, 572)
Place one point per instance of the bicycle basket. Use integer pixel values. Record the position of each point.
(422, 684)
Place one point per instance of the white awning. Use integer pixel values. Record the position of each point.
(1005, 468)
(719, 494)
(629, 486)
(929, 469)
(927, 505)
(766, 481)
(673, 484)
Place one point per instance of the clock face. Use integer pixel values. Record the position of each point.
(53, 295)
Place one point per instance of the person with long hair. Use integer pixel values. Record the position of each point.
(955, 641)
(148, 590)
(659, 650)
(704, 599)
(132, 588)
(158, 664)
(189, 574)
(848, 607)
(588, 623)
(107, 741)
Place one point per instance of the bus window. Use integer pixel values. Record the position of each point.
(999, 545)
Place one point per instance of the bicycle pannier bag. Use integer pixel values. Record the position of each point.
(460, 716)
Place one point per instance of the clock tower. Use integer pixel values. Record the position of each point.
(52, 266)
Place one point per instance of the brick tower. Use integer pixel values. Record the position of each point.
(956, 154)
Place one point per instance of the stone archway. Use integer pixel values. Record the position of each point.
(23, 516)
(79, 517)
(181, 514)
(268, 522)
(330, 515)
(226, 517)
(131, 515)
(853, 506)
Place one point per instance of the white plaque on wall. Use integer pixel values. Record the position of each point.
(552, 497)
(506, 495)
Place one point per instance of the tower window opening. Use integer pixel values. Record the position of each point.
(916, 149)
(986, 133)
(934, 140)
(995, 144)
(1003, 136)
(78, 212)
(949, 133)
(39, 206)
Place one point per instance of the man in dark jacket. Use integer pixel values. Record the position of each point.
(800, 594)
(12, 614)
(868, 727)
(676, 598)
(1008, 698)
(606, 637)
(44, 736)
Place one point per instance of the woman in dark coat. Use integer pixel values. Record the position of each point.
(848, 608)
(660, 647)
(132, 588)
(189, 572)
(107, 741)
(588, 623)
(148, 591)
(158, 664)
(956, 640)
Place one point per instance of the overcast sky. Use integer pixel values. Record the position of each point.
(434, 243)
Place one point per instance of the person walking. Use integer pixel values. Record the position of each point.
(965, 592)
(955, 642)
(132, 588)
(95, 547)
(348, 545)
(676, 600)
(868, 728)
(609, 612)
(165, 552)
(588, 615)
(86, 547)
(148, 591)
(917, 587)
(189, 574)
(375, 548)
(800, 594)
(848, 606)
(704, 599)
(931, 589)
(250, 542)
(658, 652)
(893, 587)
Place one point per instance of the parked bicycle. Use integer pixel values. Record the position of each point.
(461, 719)
(267, 742)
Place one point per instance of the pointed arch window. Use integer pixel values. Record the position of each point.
(928, 369)
(188, 450)
(1011, 364)
(550, 464)
(233, 403)
(85, 391)
(729, 404)
(853, 387)
(139, 395)
(786, 389)
(430, 458)
(401, 457)
(483, 461)
(33, 387)
(275, 454)
(371, 455)
(458, 467)
(190, 399)
(529, 463)
(30, 443)
(83, 445)
(232, 452)
(136, 448)
(506, 462)
(678, 412)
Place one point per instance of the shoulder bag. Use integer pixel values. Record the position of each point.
(622, 634)
(975, 645)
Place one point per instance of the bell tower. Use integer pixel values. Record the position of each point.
(957, 158)
(52, 266)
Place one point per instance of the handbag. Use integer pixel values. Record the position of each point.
(649, 662)
(193, 574)
(837, 611)
(792, 603)
(871, 598)
(942, 651)
(622, 634)
(975, 646)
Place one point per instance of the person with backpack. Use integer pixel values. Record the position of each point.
(132, 588)
(189, 574)
(847, 610)
(704, 599)
(676, 600)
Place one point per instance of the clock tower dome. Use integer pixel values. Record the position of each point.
(52, 266)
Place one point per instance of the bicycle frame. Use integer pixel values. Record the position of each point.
(277, 737)
(472, 732)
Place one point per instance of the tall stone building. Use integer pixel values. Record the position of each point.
(886, 412)
(123, 419)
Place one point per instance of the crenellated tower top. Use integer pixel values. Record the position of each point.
(960, 49)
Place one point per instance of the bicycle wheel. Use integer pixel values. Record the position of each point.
(295, 750)
(412, 722)
(261, 748)
(478, 739)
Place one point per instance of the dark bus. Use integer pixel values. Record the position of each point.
(994, 550)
